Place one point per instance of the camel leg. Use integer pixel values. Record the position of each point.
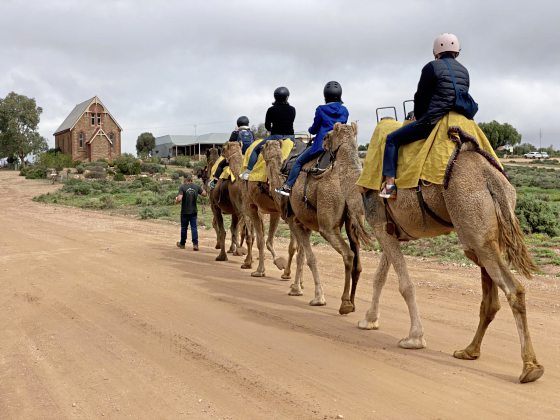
(272, 227)
(233, 230)
(248, 263)
(334, 238)
(296, 289)
(489, 306)
(391, 248)
(222, 256)
(357, 264)
(292, 248)
(515, 293)
(259, 231)
(215, 226)
(242, 232)
(302, 236)
(372, 315)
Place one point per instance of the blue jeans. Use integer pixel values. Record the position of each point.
(409, 133)
(307, 156)
(187, 219)
(255, 154)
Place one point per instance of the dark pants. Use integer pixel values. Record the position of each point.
(255, 154)
(409, 133)
(307, 156)
(220, 168)
(187, 219)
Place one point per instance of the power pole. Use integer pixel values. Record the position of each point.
(540, 138)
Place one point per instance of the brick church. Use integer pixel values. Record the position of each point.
(89, 133)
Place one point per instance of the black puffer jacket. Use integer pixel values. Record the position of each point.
(435, 95)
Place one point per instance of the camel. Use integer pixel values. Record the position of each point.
(479, 201)
(334, 202)
(259, 200)
(227, 198)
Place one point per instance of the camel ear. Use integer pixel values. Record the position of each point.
(355, 128)
(336, 128)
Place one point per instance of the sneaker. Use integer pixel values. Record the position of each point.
(284, 190)
(180, 245)
(245, 175)
(212, 184)
(388, 191)
(194, 247)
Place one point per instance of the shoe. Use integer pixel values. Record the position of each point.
(212, 184)
(388, 191)
(284, 190)
(194, 247)
(245, 175)
(179, 245)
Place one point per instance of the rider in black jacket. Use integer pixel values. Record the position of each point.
(434, 98)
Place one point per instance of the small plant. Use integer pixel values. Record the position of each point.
(147, 213)
(119, 177)
(128, 164)
(537, 215)
(184, 161)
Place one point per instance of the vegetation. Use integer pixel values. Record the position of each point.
(500, 134)
(19, 119)
(145, 143)
(128, 164)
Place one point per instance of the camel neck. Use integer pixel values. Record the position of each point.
(235, 162)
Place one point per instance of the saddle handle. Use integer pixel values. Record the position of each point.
(386, 107)
(404, 107)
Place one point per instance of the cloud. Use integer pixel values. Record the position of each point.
(166, 66)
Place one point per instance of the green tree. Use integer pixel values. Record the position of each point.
(19, 119)
(500, 134)
(363, 147)
(523, 148)
(145, 143)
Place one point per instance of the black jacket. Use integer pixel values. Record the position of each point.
(280, 119)
(435, 95)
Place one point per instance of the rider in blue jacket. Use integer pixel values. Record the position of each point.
(326, 116)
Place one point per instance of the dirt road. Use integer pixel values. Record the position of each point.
(103, 316)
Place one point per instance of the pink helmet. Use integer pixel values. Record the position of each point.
(446, 42)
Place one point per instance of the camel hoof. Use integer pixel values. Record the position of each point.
(217, 246)
(465, 355)
(346, 308)
(246, 266)
(412, 343)
(285, 277)
(221, 257)
(531, 372)
(364, 324)
(295, 292)
(318, 302)
(280, 263)
(257, 274)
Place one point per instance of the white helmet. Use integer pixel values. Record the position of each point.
(446, 42)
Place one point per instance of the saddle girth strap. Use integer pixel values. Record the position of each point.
(425, 209)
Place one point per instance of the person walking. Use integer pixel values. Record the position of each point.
(188, 193)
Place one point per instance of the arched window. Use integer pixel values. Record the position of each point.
(112, 138)
(81, 138)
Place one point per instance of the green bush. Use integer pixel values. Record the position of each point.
(34, 172)
(147, 213)
(95, 172)
(183, 161)
(119, 177)
(199, 164)
(537, 215)
(54, 159)
(178, 174)
(128, 164)
(77, 187)
(80, 168)
(152, 168)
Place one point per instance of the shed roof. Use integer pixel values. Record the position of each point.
(187, 139)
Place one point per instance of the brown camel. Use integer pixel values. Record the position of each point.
(227, 198)
(479, 202)
(333, 202)
(258, 200)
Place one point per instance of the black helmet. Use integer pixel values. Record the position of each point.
(281, 94)
(243, 120)
(333, 92)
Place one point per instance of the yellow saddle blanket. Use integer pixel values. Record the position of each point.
(226, 174)
(421, 160)
(259, 170)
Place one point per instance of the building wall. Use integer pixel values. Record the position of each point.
(100, 148)
(84, 125)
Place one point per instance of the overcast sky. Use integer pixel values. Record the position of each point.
(164, 66)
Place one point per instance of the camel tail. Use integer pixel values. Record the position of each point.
(358, 228)
(510, 237)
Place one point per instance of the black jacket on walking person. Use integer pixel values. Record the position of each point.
(280, 119)
(435, 95)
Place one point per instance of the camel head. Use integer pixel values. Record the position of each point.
(341, 134)
(212, 154)
(230, 149)
(272, 150)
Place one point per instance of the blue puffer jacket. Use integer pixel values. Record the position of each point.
(326, 116)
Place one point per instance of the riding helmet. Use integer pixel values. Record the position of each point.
(243, 121)
(281, 94)
(333, 92)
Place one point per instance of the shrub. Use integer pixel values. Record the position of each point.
(77, 187)
(95, 172)
(147, 213)
(119, 177)
(537, 215)
(199, 164)
(152, 168)
(80, 168)
(34, 172)
(55, 159)
(178, 174)
(183, 161)
(128, 164)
